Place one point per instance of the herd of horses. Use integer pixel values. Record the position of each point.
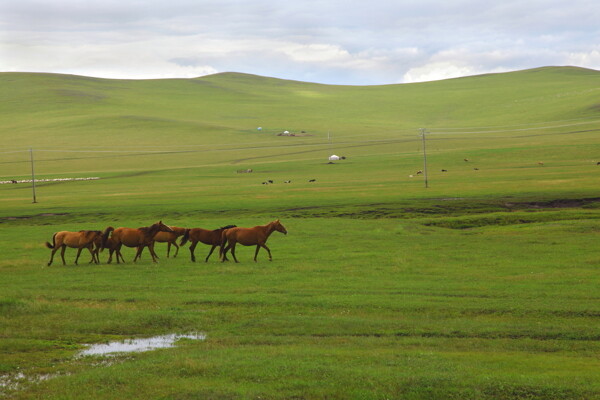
(226, 238)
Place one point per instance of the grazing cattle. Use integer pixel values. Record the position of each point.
(170, 238)
(466, 159)
(139, 238)
(76, 240)
(444, 170)
(270, 181)
(265, 183)
(476, 169)
(312, 180)
(211, 238)
(419, 172)
(256, 236)
(13, 181)
(598, 163)
(540, 163)
(287, 182)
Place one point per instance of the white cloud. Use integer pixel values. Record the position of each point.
(436, 71)
(319, 40)
(589, 59)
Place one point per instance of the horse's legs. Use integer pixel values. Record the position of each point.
(138, 254)
(233, 252)
(224, 256)
(154, 255)
(94, 255)
(256, 252)
(192, 248)
(168, 249)
(110, 253)
(223, 251)
(176, 248)
(52, 255)
(210, 252)
(268, 250)
(62, 253)
(78, 253)
(118, 250)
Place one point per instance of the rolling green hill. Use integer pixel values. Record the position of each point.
(482, 286)
(175, 130)
(57, 110)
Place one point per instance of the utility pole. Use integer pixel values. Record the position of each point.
(424, 157)
(32, 175)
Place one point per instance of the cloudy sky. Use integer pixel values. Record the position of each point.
(325, 41)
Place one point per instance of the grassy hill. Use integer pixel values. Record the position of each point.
(176, 130)
(482, 286)
(69, 110)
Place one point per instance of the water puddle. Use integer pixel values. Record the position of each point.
(139, 345)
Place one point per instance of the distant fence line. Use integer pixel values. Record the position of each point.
(50, 180)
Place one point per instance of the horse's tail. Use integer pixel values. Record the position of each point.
(223, 242)
(185, 237)
(223, 238)
(51, 246)
(105, 234)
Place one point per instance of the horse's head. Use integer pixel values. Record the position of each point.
(279, 228)
(162, 227)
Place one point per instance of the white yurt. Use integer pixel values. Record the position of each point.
(333, 157)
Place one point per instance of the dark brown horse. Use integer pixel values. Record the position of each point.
(77, 240)
(256, 236)
(170, 238)
(109, 244)
(211, 238)
(137, 237)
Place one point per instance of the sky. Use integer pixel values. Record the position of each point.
(337, 42)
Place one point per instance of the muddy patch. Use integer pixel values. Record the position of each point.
(21, 217)
(558, 203)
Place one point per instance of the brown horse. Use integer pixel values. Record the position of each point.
(170, 238)
(249, 237)
(211, 238)
(109, 244)
(137, 237)
(77, 240)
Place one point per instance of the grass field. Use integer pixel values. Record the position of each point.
(482, 286)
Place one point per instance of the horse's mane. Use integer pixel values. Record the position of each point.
(225, 227)
(89, 233)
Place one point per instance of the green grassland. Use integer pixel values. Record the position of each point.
(482, 286)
